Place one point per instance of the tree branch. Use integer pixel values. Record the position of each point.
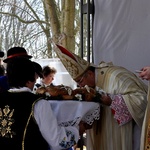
(24, 21)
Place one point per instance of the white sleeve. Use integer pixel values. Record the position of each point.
(56, 136)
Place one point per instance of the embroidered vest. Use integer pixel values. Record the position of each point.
(17, 130)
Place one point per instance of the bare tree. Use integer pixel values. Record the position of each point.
(33, 23)
(20, 27)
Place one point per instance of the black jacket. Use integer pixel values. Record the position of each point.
(17, 130)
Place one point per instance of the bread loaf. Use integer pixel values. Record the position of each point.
(67, 93)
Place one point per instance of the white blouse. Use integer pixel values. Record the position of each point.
(58, 120)
(57, 137)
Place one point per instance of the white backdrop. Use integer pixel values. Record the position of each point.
(122, 33)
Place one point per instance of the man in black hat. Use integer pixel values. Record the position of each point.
(16, 52)
(21, 52)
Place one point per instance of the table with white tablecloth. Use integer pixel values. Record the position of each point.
(71, 112)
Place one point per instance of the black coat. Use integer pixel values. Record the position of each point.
(17, 129)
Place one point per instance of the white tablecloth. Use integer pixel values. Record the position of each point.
(70, 113)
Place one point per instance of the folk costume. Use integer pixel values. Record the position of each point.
(27, 123)
(15, 111)
(120, 124)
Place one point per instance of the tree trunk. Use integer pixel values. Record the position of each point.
(62, 27)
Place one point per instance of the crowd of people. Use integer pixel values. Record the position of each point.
(30, 122)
